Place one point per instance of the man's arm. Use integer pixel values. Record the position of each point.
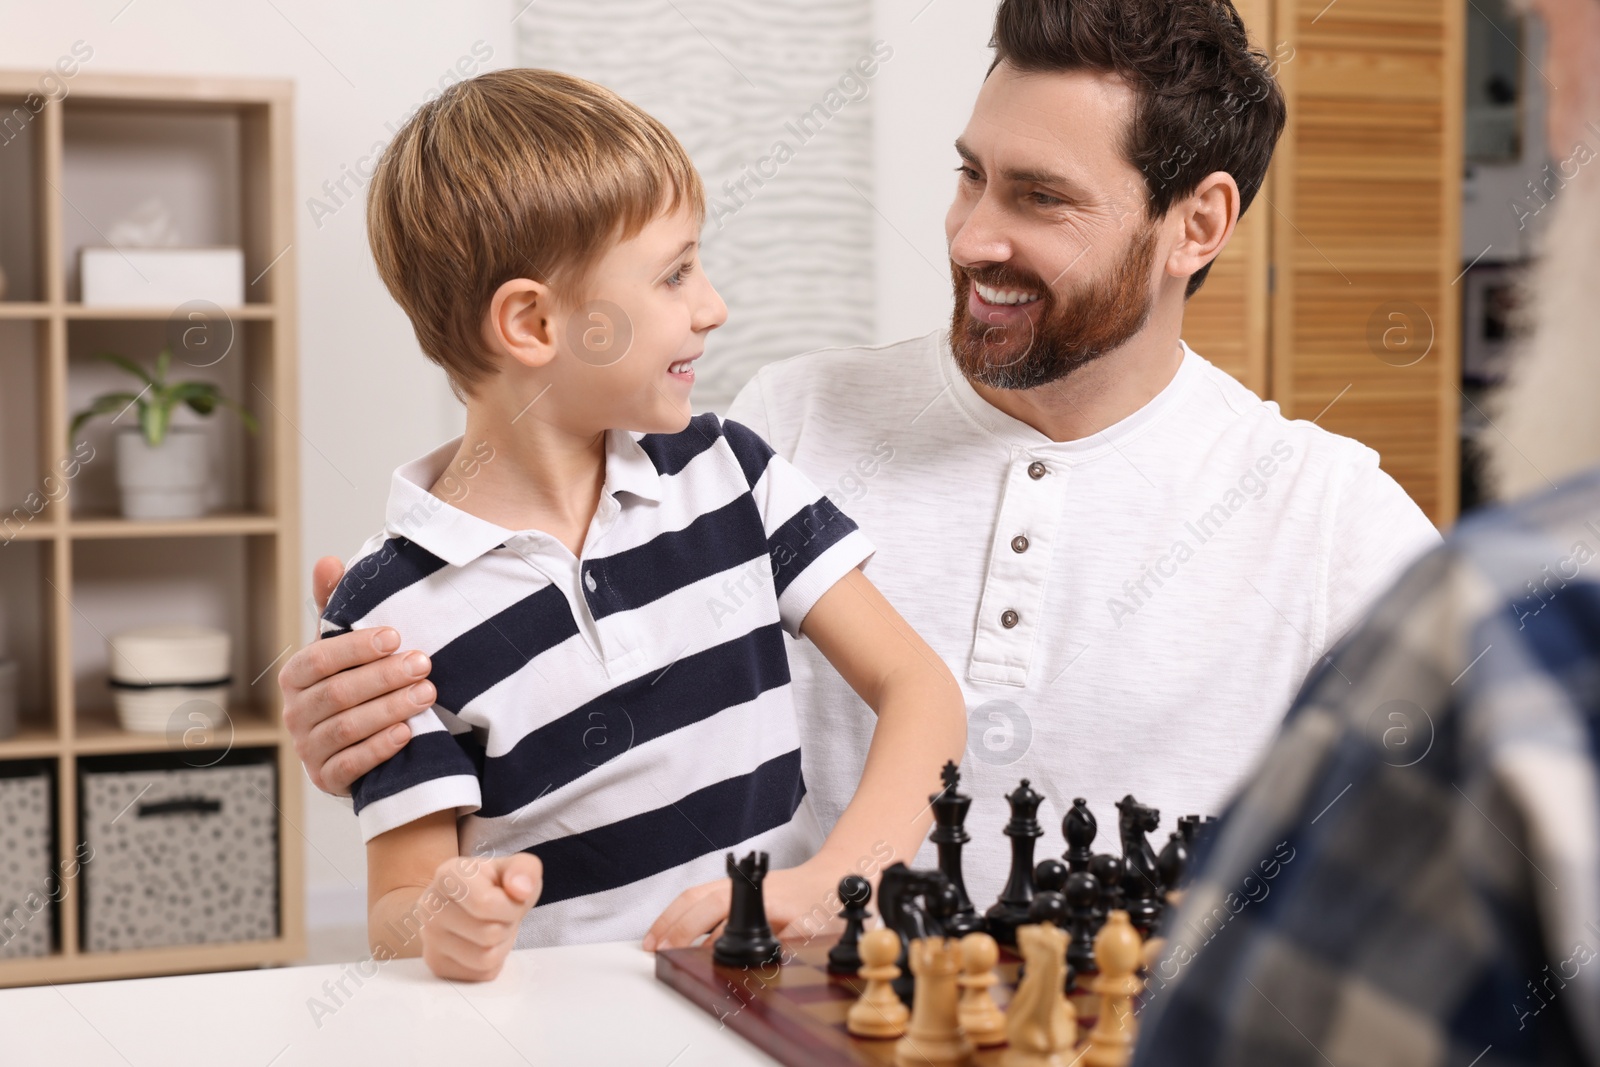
(346, 699)
(921, 725)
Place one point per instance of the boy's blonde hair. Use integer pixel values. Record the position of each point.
(517, 173)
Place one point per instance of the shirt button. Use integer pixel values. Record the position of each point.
(588, 580)
(1037, 470)
(1009, 618)
(1019, 543)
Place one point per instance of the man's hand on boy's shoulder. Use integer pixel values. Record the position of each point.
(346, 699)
(795, 897)
(485, 900)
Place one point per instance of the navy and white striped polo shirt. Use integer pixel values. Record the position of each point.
(624, 716)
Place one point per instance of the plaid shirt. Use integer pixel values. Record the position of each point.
(1412, 875)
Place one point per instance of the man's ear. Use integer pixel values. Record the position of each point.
(521, 322)
(1210, 214)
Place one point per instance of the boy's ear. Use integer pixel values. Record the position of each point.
(521, 322)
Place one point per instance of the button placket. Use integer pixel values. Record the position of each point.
(1019, 559)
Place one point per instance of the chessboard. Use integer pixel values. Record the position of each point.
(795, 1012)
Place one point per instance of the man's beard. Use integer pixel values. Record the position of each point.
(1071, 330)
(1545, 425)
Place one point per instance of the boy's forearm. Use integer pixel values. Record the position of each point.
(395, 920)
(921, 725)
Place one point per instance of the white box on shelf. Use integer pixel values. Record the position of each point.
(161, 277)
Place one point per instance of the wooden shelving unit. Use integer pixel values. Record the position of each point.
(72, 557)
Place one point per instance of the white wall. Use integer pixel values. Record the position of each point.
(368, 399)
(923, 98)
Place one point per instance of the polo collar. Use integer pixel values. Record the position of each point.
(458, 537)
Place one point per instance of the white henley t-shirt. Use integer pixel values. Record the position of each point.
(1127, 613)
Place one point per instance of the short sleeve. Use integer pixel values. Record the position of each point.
(436, 771)
(1378, 531)
(811, 541)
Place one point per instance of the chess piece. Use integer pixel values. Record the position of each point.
(1041, 1027)
(845, 956)
(934, 1038)
(878, 1012)
(747, 939)
(978, 1014)
(1107, 870)
(1050, 875)
(1011, 910)
(1116, 954)
(1079, 827)
(1196, 832)
(911, 903)
(1173, 862)
(1083, 892)
(1140, 881)
(1050, 907)
(949, 835)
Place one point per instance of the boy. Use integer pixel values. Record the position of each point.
(600, 580)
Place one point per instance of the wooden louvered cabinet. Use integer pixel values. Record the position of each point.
(1337, 296)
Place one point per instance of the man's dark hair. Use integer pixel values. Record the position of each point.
(1205, 100)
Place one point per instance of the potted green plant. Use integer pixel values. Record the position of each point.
(161, 469)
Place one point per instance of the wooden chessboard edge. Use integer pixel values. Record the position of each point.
(776, 1034)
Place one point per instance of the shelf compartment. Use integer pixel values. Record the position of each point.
(29, 606)
(220, 582)
(22, 184)
(238, 464)
(32, 487)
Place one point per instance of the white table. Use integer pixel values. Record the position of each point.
(579, 1005)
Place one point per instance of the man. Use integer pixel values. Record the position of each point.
(1128, 559)
(1413, 874)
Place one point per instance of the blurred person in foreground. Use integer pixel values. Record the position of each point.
(1413, 875)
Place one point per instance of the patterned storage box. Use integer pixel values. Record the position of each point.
(180, 856)
(28, 892)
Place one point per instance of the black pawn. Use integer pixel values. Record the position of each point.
(1011, 910)
(1083, 893)
(1049, 906)
(1050, 875)
(845, 957)
(747, 940)
(1107, 869)
(949, 836)
(1078, 826)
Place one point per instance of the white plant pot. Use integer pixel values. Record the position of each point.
(164, 482)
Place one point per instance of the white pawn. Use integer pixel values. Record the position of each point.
(979, 1015)
(878, 1012)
